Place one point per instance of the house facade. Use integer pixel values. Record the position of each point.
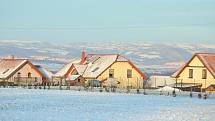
(198, 72)
(75, 80)
(125, 73)
(103, 68)
(19, 72)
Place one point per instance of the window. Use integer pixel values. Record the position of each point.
(129, 73)
(29, 75)
(79, 80)
(204, 74)
(190, 73)
(19, 74)
(111, 73)
(94, 70)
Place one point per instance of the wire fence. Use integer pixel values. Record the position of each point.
(170, 93)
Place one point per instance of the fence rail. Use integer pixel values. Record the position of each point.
(203, 95)
(21, 81)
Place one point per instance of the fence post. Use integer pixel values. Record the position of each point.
(60, 86)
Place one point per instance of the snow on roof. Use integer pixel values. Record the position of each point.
(64, 70)
(72, 77)
(80, 68)
(207, 59)
(8, 66)
(48, 74)
(121, 58)
(96, 67)
(92, 59)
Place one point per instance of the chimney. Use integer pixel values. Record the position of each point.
(83, 57)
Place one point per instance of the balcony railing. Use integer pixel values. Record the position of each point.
(27, 80)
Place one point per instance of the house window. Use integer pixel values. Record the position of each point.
(94, 70)
(111, 73)
(129, 73)
(190, 73)
(36, 79)
(29, 75)
(79, 80)
(19, 74)
(204, 74)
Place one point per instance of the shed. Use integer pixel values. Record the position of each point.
(75, 80)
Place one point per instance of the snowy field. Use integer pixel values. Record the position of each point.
(66, 105)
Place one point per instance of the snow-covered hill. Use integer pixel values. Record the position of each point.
(157, 58)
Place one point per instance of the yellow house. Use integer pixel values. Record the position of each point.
(107, 69)
(198, 72)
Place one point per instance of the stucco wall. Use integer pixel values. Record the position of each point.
(24, 73)
(197, 67)
(120, 73)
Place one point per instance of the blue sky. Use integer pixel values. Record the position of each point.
(108, 20)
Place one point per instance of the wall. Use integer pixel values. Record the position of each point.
(160, 81)
(197, 67)
(120, 73)
(24, 73)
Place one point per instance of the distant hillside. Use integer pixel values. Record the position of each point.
(151, 58)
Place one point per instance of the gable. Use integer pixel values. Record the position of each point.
(120, 70)
(197, 73)
(66, 69)
(9, 66)
(70, 71)
(25, 69)
(196, 62)
(80, 68)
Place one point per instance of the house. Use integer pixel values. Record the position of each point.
(60, 77)
(19, 72)
(104, 67)
(197, 74)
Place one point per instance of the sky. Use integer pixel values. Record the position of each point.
(63, 21)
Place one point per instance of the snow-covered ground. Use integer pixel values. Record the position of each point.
(66, 105)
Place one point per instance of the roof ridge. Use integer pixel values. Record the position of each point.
(205, 53)
(102, 54)
(15, 59)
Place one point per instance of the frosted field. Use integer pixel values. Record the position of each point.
(65, 105)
